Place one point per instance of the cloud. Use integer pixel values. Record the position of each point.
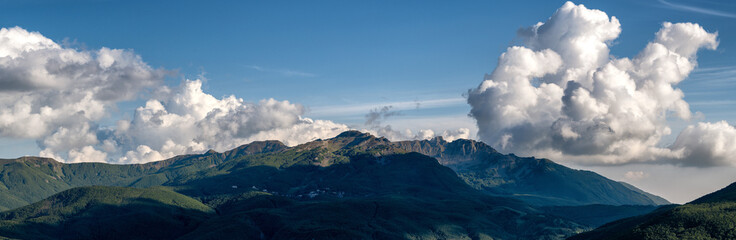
(374, 116)
(284, 72)
(635, 175)
(358, 109)
(187, 120)
(688, 8)
(563, 96)
(706, 144)
(59, 96)
(460, 133)
(48, 88)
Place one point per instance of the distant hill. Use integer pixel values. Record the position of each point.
(534, 180)
(709, 217)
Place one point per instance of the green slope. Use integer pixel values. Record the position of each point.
(712, 216)
(106, 213)
(29, 179)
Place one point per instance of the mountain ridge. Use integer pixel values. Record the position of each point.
(542, 180)
(537, 181)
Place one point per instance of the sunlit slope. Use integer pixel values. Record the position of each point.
(29, 179)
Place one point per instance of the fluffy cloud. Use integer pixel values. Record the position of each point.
(563, 96)
(59, 95)
(706, 144)
(187, 120)
(49, 88)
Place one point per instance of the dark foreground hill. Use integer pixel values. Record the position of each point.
(106, 213)
(712, 216)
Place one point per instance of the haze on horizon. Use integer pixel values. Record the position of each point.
(649, 108)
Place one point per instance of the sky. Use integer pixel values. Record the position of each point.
(638, 91)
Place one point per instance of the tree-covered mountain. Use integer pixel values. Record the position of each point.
(538, 181)
(352, 186)
(712, 216)
(340, 188)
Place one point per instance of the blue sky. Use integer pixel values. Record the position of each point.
(344, 52)
(340, 59)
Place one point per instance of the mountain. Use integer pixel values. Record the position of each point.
(709, 217)
(352, 186)
(537, 181)
(106, 213)
(534, 180)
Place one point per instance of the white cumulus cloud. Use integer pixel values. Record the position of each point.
(48, 88)
(59, 96)
(187, 120)
(706, 144)
(563, 95)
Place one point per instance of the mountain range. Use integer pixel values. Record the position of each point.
(352, 186)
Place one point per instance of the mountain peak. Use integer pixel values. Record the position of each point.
(257, 147)
(353, 134)
(352, 138)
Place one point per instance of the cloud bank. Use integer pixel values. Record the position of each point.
(563, 96)
(59, 96)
